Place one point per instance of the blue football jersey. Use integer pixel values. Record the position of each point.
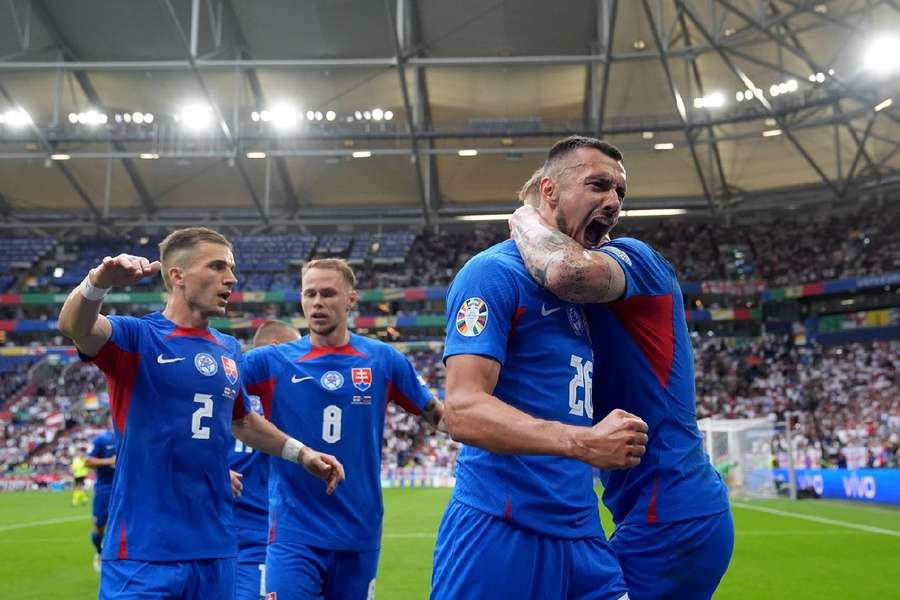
(495, 309)
(334, 400)
(251, 508)
(104, 446)
(173, 394)
(646, 366)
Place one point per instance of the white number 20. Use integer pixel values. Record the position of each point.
(331, 424)
(584, 372)
(201, 432)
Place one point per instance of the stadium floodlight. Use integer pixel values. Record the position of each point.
(92, 117)
(330, 115)
(58, 272)
(149, 156)
(647, 135)
(319, 115)
(358, 115)
(773, 90)
(256, 155)
(883, 104)
(812, 77)
(377, 114)
(664, 146)
(468, 152)
(310, 115)
(791, 85)
(148, 117)
(714, 100)
(17, 118)
(771, 132)
(196, 116)
(284, 116)
(60, 157)
(73, 118)
(362, 154)
(490, 217)
(820, 77)
(653, 212)
(127, 117)
(739, 95)
(388, 115)
(254, 116)
(883, 55)
(137, 117)
(367, 115)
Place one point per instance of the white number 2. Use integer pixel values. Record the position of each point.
(331, 424)
(201, 432)
(584, 373)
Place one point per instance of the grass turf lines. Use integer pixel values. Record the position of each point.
(807, 549)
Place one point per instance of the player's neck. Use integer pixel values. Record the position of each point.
(338, 337)
(182, 315)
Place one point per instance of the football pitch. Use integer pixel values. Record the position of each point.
(807, 549)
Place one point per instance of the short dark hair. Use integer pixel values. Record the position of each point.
(573, 143)
(185, 239)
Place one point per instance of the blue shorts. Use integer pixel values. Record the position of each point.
(251, 564)
(299, 572)
(481, 556)
(100, 508)
(684, 560)
(171, 580)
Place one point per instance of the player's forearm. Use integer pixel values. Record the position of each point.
(433, 412)
(259, 433)
(94, 463)
(482, 420)
(560, 264)
(79, 317)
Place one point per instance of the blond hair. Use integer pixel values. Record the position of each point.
(182, 240)
(274, 331)
(332, 264)
(531, 192)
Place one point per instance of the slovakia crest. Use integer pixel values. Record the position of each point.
(362, 378)
(472, 317)
(206, 364)
(231, 371)
(332, 380)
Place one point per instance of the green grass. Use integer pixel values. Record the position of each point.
(776, 556)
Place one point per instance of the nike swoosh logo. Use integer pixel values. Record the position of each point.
(165, 361)
(295, 379)
(545, 312)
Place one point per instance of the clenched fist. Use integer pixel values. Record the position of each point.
(617, 442)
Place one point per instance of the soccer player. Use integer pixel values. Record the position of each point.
(332, 386)
(674, 532)
(523, 521)
(102, 458)
(79, 473)
(250, 480)
(175, 395)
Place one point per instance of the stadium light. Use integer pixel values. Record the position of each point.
(195, 117)
(254, 116)
(256, 155)
(149, 156)
(883, 105)
(714, 100)
(137, 117)
(330, 115)
(493, 217)
(647, 135)
(17, 118)
(664, 146)
(377, 114)
(284, 116)
(58, 272)
(319, 115)
(653, 212)
(883, 55)
(771, 132)
(468, 152)
(148, 117)
(358, 115)
(388, 115)
(73, 118)
(362, 154)
(60, 157)
(127, 117)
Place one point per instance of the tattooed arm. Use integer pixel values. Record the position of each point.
(562, 265)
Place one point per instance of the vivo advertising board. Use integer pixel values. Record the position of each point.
(865, 485)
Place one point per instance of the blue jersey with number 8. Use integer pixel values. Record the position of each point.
(495, 309)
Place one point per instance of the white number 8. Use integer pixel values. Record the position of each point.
(331, 424)
(201, 432)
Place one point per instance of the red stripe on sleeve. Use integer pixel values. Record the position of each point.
(121, 369)
(399, 398)
(650, 322)
(266, 391)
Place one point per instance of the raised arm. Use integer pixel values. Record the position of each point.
(478, 418)
(259, 433)
(80, 319)
(561, 264)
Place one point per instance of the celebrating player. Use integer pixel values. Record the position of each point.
(250, 480)
(331, 386)
(523, 520)
(175, 394)
(102, 457)
(674, 534)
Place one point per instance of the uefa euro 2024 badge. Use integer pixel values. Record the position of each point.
(472, 317)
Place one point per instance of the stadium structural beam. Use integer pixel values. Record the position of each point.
(608, 11)
(679, 103)
(422, 106)
(408, 111)
(284, 176)
(49, 149)
(87, 87)
(748, 83)
(859, 152)
(717, 156)
(223, 124)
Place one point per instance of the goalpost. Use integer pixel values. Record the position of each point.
(741, 450)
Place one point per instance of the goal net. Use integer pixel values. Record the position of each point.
(741, 450)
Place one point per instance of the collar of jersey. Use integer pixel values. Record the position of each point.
(179, 331)
(319, 351)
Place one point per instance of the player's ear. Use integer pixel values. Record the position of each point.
(176, 276)
(549, 194)
(354, 298)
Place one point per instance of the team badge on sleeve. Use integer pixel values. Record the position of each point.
(618, 252)
(206, 364)
(472, 317)
(230, 370)
(362, 378)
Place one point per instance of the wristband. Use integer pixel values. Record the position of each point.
(91, 291)
(291, 450)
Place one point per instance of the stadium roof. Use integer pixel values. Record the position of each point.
(301, 83)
